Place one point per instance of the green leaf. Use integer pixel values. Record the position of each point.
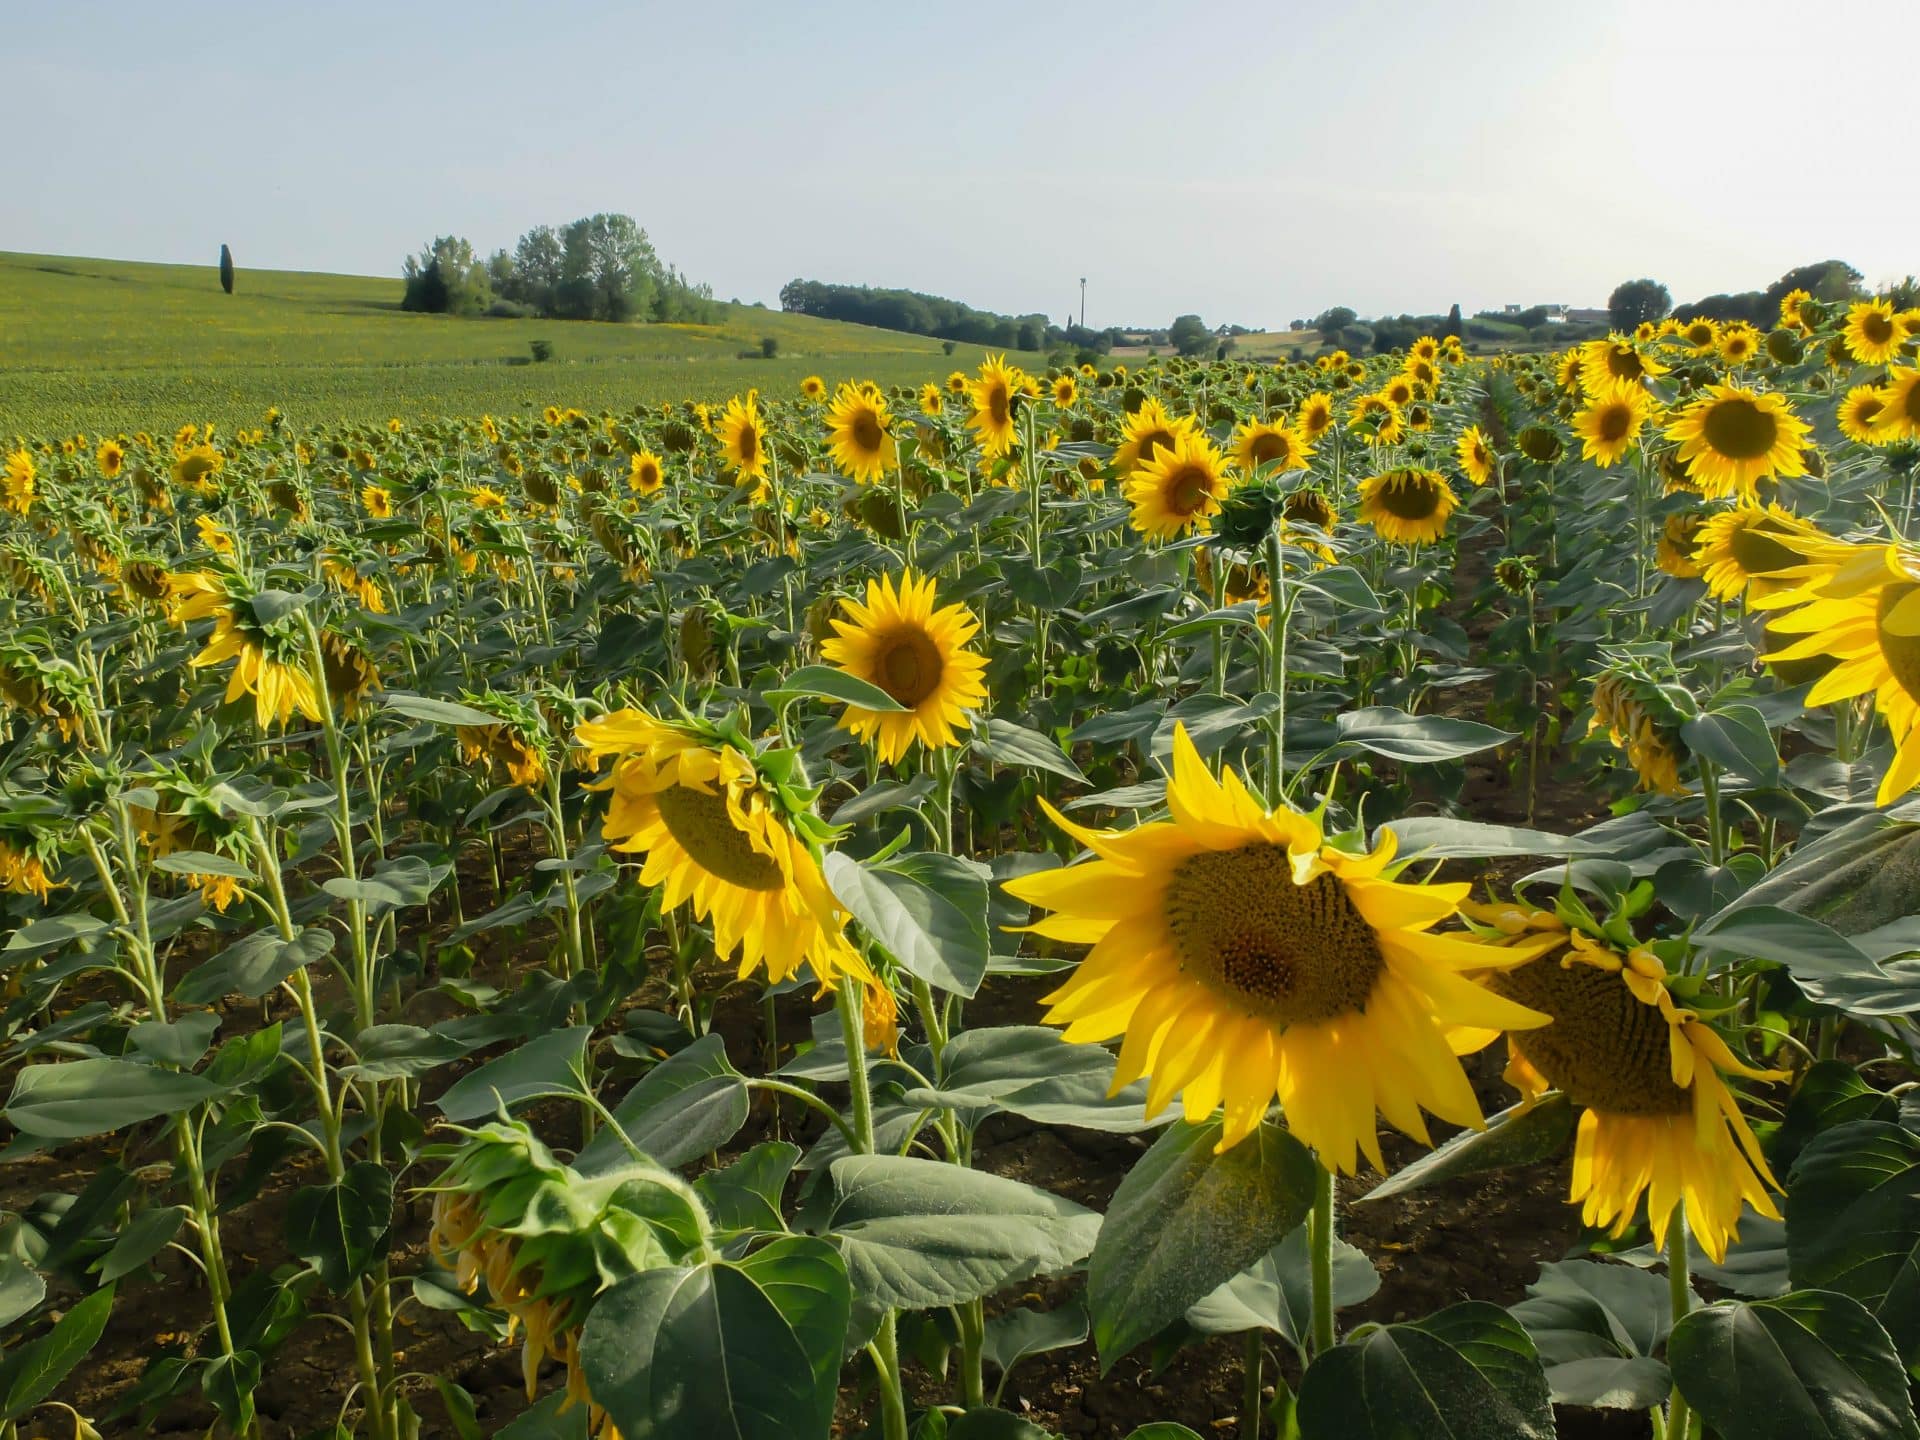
(1856, 878)
(389, 884)
(203, 862)
(1034, 1072)
(146, 1236)
(1438, 837)
(52, 932)
(96, 1097)
(1163, 1430)
(746, 1194)
(460, 1410)
(1006, 743)
(1468, 1372)
(918, 1233)
(691, 1354)
(1597, 1327)
(1811, 1365)
(553, 1417)
(1853, 1223)
(21, 1288)
(824, 682)
(687, 1106)
(251, 966)
(342, 1228)
(437, 712)
(1015, 1334)
(31, 1372)
(1520, 1135)
(179, 1043)
(1417, 739)
(388, 1052)
(806, 1279)
(229, 1382)
(983, 1422)
(546, 1065)
(927, 911)
(1185, 1221)
(1734, 737)
(1276, 1292)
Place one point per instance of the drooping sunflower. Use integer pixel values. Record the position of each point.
(1308, 506)
(1860, 606)
(1856, 417)
(1899, 417)
(1643, 723)
(932, 403)
(1476, 455)
(1674, 551)
(1315, 417)
(813, 387)
(918, 654)
(1408, 506)
(860, 433)
(1609, 424)
(743, 438)
(267, 666)
(992, 394)
(1178, 489)
(1732, 438)
(1739, 343)
(195, 468)
(1146, 432)
(719, 836)
(1702, 336)
(1740, 551)
(646, 474)
(1656, 1117)
(1872, 336)
(1261, 442)
(1242, 957)
(1603, 362)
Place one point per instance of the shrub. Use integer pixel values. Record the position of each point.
(542, 351)
(769, 347)
(511, 310)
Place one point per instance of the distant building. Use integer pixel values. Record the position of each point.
(1586, 317)
(1550, 314)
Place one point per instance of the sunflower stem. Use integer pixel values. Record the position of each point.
(1250, 1395)
(1680, 1288)
(1321, 1237)
(885, 1347)
(1280, 620)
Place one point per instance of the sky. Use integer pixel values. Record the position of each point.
(1250, 162)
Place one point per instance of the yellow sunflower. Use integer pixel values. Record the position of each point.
(813, 387)
(1065, 391)
(1146, 432)
(1408, 506)
(1609, 424)
(859, 434)
(1642, 726)
(111, 457)
(1399, 391)
(1701, 336)
(1315, 417)
(1377, 420)
(1476, 455)
(1731, 438)
(1178, 489)
(1899, 417)
(1261, 442)
(716, 838)
(378, 501)
(1872, 335)
(1858, 413)
(502, 746)
(277, 681)
(992, 397)
(1860, 606)
(1656, 1117)
(743, 438)
(1615, 359)
(1790, 315)
(899, 642)
(1678, 536)
(1739, 551)
(957, 383)
(1739, 343)
(1566, 370)
(18, 483)
(932, 403)
(646, 475)
(1242, 957)
(195, 468)
(22, 872)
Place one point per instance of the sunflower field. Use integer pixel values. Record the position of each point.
(1352, 898)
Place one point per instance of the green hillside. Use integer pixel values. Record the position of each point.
(108, 345)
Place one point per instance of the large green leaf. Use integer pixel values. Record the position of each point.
(1005, 743)
(918, 1233)
(251, 966)
(145, 1236)
(96, 1097)
(746, 1194)
(1811, 1365)
(806, 1279)
(1185, 1221)
(824, 682)
(1597, 1327)
(927, 911)
(1420, 739)
(1734, 737)
(1276, 1292)
(1442, 837)
(21, 1288)
(1034, 1072)
(1853, 1223)
(30, 1372)
(687, 1106)
(1013, 1335)
(1468, 1372)
(546, 1065)
(342, 1227)
(1521, 1135)
(438, 712)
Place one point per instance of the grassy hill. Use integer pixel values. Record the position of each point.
(108, 345)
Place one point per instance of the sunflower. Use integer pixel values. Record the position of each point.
(485, 497)
(1242, 957)
(1408, 506)
(1144, 433)
(265, 666)
(1399, 391)
(24, 872)
(195, 468)
(1615, 359)
(111, 457)
(1739, 343)
(17, 483)
(1642, 723)
(1872, 336)
(646, 475)
(718, 837)
(1656, 1116)
(1425, 348)
(1307, 506)
(932, 403)
(1610, 423)
(1790, 315)
(1315, 417)
(213, 534)
(349, 671)
(899, 642)
(1476, 455)
(1678, 536)
(1857, 413)
(1566, 370)
(859, 434)
(1180, 487)
(1377, 420)
(1065, 391)
(743, 438)
(1731, 438)
(378, 501)
(957, 382)
(992, 396)
(505, 746)
(1261, 442)
(813, 387)
(1899, 417)
(1859, 607)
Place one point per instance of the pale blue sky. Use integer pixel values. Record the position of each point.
(1254, 162)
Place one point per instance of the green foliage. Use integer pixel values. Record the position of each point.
(1634, 301)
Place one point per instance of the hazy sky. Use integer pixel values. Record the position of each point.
(1251, 161)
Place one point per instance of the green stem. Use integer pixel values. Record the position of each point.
(1679, 1416)
(1280, 607)
(973, 1335)
(885, 1346)
(1250, 1395)
(1321, 1238)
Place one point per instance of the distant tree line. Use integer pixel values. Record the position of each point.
(601, 267)
(1828, 280)
(920, 314)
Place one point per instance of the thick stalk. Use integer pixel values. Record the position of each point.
(1680, 1288)
(1250, 1392)
(885, 1346)
(1322, 1240)
(1280, 620)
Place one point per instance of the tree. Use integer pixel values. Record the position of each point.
(447, 278)
(1331, 322)
(1189, 335)
(1633, 301)
(1452, 327)
(226, 269)
(1828, 280)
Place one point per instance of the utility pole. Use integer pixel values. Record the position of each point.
(1083, 302)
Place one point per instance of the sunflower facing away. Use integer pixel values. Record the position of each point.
(1261, 442)
(717, 838)
(1674, 551)
(1656, 1118)
(265, 667)
(860, 434)
(899, 642)
(1408, 506)
(992, 399)
(743, 438)
(1476, 455)
(1242, 957)
(1732, 438)
(1642, 725)
(1144, 434)
(1610, 423)
(1178, 489)
(1872, 335)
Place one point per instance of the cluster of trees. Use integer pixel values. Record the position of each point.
(1340, 325)
(919, 314)
(601, 267)
(1829, 280)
